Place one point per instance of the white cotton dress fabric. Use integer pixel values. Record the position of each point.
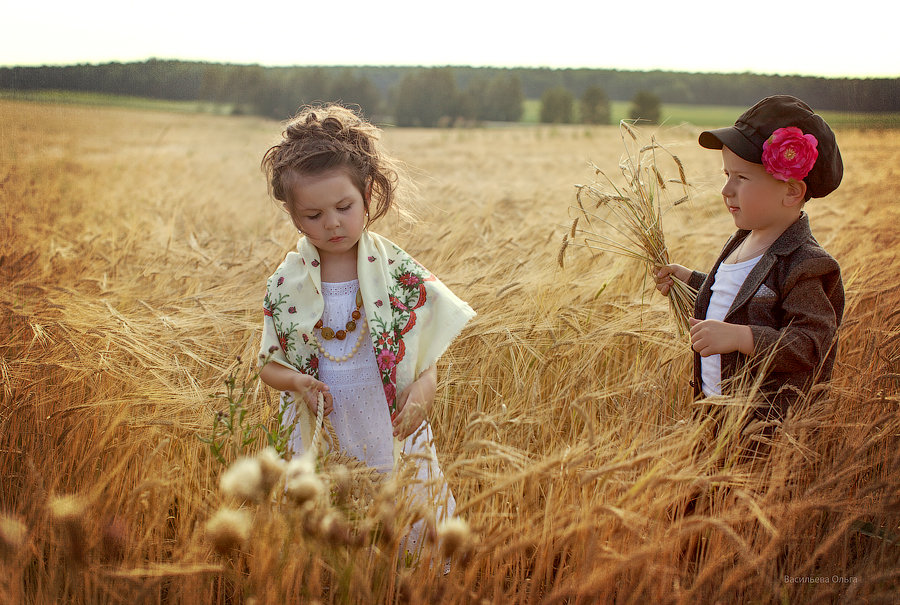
(360, 418)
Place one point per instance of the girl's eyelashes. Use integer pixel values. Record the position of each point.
(318, 214)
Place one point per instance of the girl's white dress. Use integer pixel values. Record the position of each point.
(360, 417)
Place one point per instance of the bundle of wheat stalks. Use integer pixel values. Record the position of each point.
(633, 212)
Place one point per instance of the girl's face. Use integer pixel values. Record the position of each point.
(329, 210)
(755, 199)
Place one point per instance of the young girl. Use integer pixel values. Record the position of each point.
(349, 314)
(773, 301)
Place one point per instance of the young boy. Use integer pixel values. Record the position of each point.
(773, 301)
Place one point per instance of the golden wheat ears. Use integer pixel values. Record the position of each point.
(631, 220)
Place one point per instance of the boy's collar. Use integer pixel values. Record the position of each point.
(791, 239)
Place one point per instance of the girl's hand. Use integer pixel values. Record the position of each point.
(310, 388)
(414, 403)
(713, 337)
(283, 378)
(663, 276)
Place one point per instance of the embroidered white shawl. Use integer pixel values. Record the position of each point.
(412, 316)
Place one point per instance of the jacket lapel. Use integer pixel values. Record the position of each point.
(786, 243)
(752, 283)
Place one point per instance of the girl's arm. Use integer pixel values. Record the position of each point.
(284, 378)
(414, 403)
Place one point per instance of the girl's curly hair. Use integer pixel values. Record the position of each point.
(326, 137)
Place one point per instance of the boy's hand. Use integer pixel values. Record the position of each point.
(713, 337)
(413, 404)
(663, 276)
(310, 388)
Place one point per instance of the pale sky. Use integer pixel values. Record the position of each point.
(768, 36)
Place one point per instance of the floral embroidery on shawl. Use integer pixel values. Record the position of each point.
(406, 294)
(287, 334)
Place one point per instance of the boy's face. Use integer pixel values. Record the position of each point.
(755, 199)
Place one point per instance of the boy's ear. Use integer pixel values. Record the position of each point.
(796, 193)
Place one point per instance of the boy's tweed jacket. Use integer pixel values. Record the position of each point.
(793, 301)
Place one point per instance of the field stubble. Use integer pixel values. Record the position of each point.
(135, 249)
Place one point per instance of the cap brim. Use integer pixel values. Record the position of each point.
(734, 139)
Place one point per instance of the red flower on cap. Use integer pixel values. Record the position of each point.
(790, 154)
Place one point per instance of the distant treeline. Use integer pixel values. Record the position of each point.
(426, 96)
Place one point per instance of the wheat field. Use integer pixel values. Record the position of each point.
(134, 255)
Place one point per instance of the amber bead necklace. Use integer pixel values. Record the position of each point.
(330, 333)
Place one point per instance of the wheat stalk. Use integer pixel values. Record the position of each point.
(626, 219)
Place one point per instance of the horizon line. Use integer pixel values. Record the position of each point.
(447, 65)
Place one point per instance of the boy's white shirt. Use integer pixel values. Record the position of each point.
(727, 283)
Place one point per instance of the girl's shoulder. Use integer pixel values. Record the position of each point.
(377, 248)
(293, 265)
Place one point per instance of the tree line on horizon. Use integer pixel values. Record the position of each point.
(419, 96)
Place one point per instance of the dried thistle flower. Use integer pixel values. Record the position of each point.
(385, 517)
(454, 537)
(272, 468)
(303, 464)
(13, 536)
(228, 529)
(114, 538)
(67, 512)
(243, 480)
(302, 483)
(304, 488)
(334, 529)
(66, 509)
(341, 483)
